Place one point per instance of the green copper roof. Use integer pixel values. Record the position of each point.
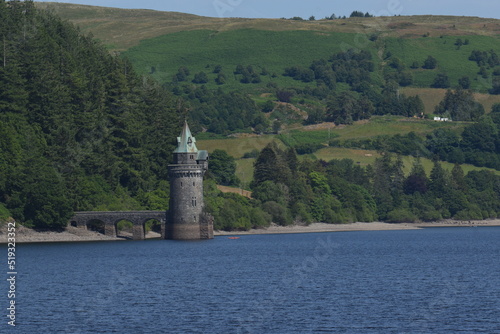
(186, 142)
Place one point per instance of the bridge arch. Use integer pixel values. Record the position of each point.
(110, 221)
(96, 225)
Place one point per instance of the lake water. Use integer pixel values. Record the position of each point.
(436, 280)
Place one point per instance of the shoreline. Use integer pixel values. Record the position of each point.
(352, 227)
(73, 234)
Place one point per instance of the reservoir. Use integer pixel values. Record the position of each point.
(434, 280)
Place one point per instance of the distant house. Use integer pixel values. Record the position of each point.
(442, 119)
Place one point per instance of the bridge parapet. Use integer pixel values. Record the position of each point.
(111, 218)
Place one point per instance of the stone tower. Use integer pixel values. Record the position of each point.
(186, 219)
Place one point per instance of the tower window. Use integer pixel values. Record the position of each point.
(193, 201)
(194, 184)
(191, 157)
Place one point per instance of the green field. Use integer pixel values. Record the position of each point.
(236, 147)
(202, 50)
(391, 125)
(300, 137)
(273, 51)
(450, 60)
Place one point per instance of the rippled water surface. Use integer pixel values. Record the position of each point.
(438, 280)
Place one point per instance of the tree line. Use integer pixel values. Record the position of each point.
(287, 191)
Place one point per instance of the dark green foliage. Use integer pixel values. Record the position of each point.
(464, 83)
(233, 212)
(200, 78)
(284, 95)
(217, 69)
(415, 65)
(299, 73)
(221, 78)
(340, 191)
(480, 137)
(444, 143)
(351, 67)
(221, 112)
(315, 115)
(267, 107)
(181, 74)
(441, 81)
(79, 130)
(271, 165)
(391, 102)
(460, 105)
(496, 86)
(357, 13)
(430, 63)
(222, 168)
(417, 180)
(401, 215)
(346, 108)
(485, 58)
(247, 74)
(38, 196)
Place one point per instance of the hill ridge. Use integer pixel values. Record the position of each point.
(112, 25)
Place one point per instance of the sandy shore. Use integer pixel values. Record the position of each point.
(374, 226)
(73, 234)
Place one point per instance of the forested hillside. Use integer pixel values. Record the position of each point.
(79, 129)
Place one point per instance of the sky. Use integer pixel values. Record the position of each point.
(317, 8)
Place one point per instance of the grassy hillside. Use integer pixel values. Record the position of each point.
(451, 60)
(202, 50)
(158, 43)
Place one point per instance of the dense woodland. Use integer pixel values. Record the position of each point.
(287, 190)
(80, 130)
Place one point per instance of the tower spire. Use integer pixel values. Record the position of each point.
(186, 141)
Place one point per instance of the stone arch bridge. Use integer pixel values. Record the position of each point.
(111, 219)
